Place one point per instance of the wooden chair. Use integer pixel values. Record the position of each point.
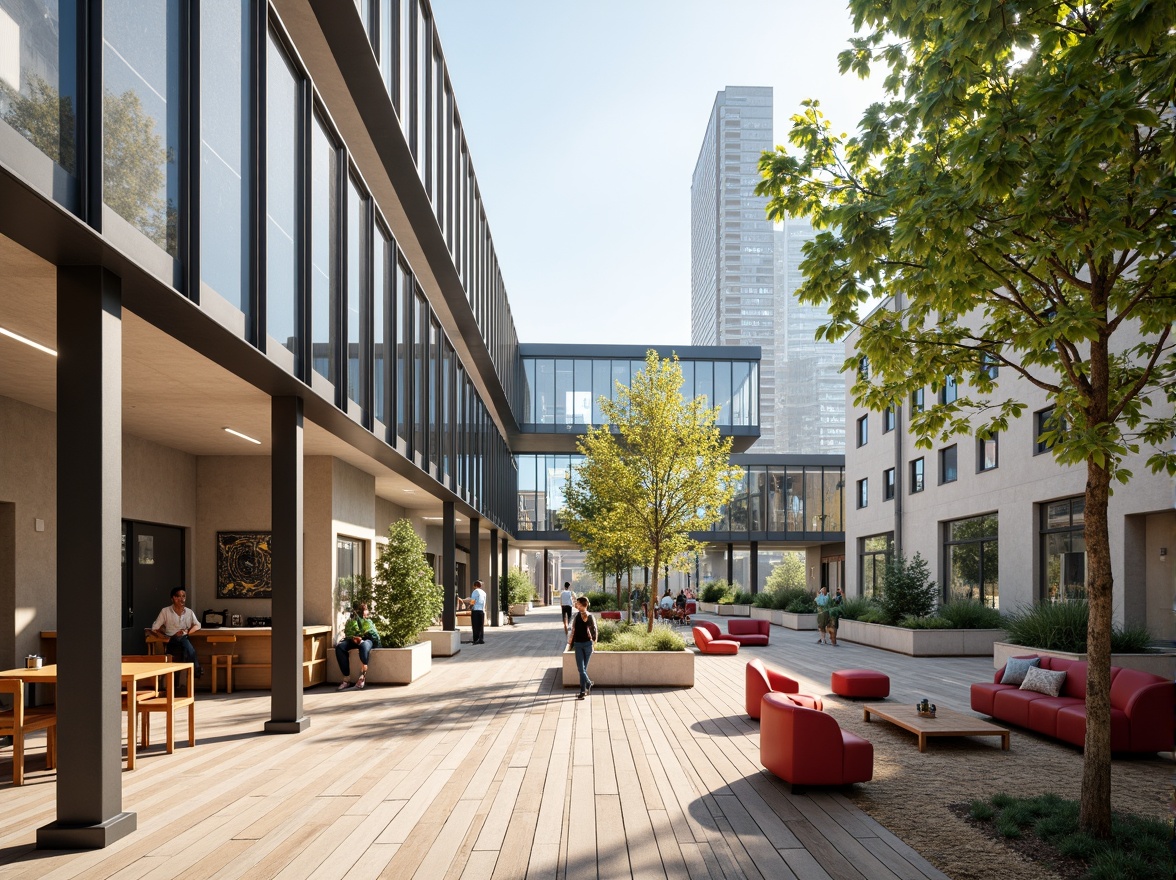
(221, 660)
(158, 703)
(20, 720)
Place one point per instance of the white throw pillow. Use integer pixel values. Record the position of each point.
(1044, 681)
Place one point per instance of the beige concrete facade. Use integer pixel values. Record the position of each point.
(1142, 518)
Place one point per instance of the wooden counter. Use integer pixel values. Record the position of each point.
(251, 669)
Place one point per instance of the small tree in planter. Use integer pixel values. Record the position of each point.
(407, 597)
(519, 589)
(907, 589)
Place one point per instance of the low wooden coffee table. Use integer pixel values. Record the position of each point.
(945, 723)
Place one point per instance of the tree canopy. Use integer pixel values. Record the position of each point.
(664, 473)
(1012, 199)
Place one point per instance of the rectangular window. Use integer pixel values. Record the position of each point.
(142, 109)
(225, 142)
(989, 366)
(403, 323)
(916, 476)
(420, 377)
(281, 198)
(1063, 550)
(864, 367)
(876, 552)
(970, 550)
(950, 391)
(1044, 423)
(358, 289)
(863, 430)
(349, 563)
(917, 401)
(888, 420)
(381, 309)
(324, 273)
(888, 484)
(863, 493)
(949, 464)
(986, 452)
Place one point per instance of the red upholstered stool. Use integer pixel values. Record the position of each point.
(860, 683)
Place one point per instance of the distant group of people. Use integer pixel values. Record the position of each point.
(828, 614)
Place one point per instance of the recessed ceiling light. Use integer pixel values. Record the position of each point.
(431, 518)
(408, 491)
(242, 436)
(27, 341)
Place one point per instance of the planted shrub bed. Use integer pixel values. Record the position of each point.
(627, 655)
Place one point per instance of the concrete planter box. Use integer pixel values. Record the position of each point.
(758, 613)
(919, 642)
(633, 668)
(792, 620)
(708, 608)
(734, 610)
(725, 610)
(444, 644)
(1163, 664)
(519, 610)
(388, 665)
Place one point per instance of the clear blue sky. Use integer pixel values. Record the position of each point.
(584, 122)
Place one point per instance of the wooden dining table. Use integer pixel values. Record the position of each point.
(132, 674)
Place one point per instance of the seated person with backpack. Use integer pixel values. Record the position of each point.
(359, 634)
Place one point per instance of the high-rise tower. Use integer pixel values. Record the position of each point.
(732, 264)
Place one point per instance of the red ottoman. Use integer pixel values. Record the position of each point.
(860, 683)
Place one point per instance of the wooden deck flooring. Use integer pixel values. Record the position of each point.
(488, 768)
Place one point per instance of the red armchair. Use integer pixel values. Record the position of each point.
(712, 628)
(761, 680)
(806, 747)
(708, 644)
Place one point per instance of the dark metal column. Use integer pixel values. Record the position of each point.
(503, 568)
(495, 587)
(286, 520)
(89, 563)
(475, 552)
(730, 563)
(448, 568)
(754, 567)
(546, 572)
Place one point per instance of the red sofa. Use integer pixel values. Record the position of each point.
(708, 644)
(1141, 707)
(748, 632)
(760, 680)
(806, 747)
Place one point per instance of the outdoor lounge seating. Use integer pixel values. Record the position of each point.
(860, 683)
(1142, 706)
(748, 632)
(610, 615)
(20, 720)
(708, 644)
(760, 680)
(806, 747)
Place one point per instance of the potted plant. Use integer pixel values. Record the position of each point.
(519, 592)
(406, 600)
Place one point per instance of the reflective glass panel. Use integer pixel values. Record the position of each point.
(601, 387)
(281, 197)
(141, 115)
(225, 166)
(38, 75)
(379, 329)
(323, 271)
(723, 391)
(564, 373)
(357, 235)
(545, 391)
(741, 393)
(794, 492)
(813, 497)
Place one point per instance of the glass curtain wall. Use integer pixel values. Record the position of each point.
(39, 76)
(972, 560)
(382, 293)
(358, 289)
(141, 112)
(225, 149)
(324, 261)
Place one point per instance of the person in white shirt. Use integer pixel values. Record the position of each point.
(567, 599)
(667, 602)
(477, 603)
(175, 623)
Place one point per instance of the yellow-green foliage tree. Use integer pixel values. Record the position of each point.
(656, 470)
(1013, 195)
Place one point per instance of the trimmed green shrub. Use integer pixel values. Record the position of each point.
(970, 614)
(518, 587)
(856, 608)
(764, 600)
(907, 589)
(1061, 626)
(406, 596)
(624, 636)
(743, 597)
(715, 591)
(600, 600)
(796, 600)
(925, 623)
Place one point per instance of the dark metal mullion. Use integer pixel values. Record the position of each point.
(367, 307)
(188, 245)
(89, 136)
(338, 332)
(255, 327)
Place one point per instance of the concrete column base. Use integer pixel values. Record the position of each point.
(296, 726)
(59, 835)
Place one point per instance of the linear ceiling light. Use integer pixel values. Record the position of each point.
(27, 341)
(242, 436)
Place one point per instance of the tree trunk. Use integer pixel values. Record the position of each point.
(620, 607)
(651, 596)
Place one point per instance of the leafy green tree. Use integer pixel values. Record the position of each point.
(664, 473)
(407, 597)
(907, 588)
(788, 573)
(518, 588)
(1012, 197)
(588, 518)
